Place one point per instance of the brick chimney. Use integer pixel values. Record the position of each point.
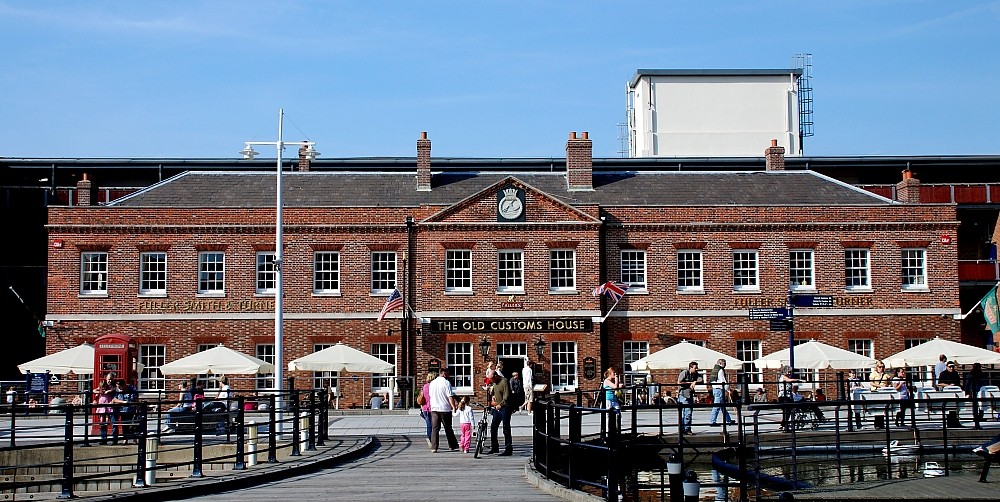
(774, 157)
(304, 158)
(908, 190)
(84, 189)
(423, 163)
(579, 162)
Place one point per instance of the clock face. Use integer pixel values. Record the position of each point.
(510, 208)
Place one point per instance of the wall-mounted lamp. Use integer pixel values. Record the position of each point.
(484, 348)
(539, 347)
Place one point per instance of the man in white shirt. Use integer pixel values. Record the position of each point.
(526, 376)
(941, 365)
(442, 403)
(720, 389)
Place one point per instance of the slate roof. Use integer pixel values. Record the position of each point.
(229, 189)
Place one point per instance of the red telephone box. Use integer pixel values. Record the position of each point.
(118, 355)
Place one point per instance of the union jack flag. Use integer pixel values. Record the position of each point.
(393, 302)
(613, 290)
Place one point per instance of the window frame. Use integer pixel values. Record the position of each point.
(209, 277)
(563, 365)
(266, 275)
(852, 256)
(325, 379)
(748, 351)
(633, 269)
(151, 364)
(746, 270)
(265, 352)
(461, 371)
(94, 269)
(383, 382)
(326, 272)
(690, 278)
(510, 271)
(797, 269)
(920, 276)
(458, 270)
(633, 350)
(383, 280)
(149, 277)
(562, 270)
(864, 347)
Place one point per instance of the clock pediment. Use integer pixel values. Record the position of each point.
(510, 201)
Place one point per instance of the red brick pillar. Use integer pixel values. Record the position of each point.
(580, 162)
(304, 161)
(908, 190)
(423, 163)
(84, 189)
(774, 157)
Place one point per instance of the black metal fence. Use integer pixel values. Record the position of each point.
(60, 448)
(645, 452)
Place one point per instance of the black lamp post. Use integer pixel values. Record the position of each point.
(484, 349)
(539, 347)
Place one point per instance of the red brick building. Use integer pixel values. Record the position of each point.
(490, 253)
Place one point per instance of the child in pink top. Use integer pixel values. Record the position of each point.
(466, 417)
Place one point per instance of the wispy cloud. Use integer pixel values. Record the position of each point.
(92, 20)
(992, 8)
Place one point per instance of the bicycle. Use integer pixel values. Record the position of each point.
(481, 428)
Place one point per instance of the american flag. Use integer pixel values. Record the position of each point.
(393, 302)
(614, 290)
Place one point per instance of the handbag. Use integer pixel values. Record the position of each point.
(421, 400)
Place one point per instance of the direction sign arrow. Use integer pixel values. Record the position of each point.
(767, 314)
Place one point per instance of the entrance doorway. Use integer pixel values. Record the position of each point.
(512, 355)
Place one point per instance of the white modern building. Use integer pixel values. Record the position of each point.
(717, 113)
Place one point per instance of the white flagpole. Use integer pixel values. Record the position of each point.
(611, 309)
(976, 306)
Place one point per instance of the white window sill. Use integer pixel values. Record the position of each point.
(329, 294)
(858, 290)
(153, 295)
(746, 291)
(803, 289)
(458, 293)
(211, 295)
(94, 295)
(690, 291)
(915, 289)
(637, 291)
(563, 292)
(263, 294)
(510, 292)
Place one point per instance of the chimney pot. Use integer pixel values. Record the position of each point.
(586, 135)
(579, 162)
(423, 135)
(572, 135)
(774, 142)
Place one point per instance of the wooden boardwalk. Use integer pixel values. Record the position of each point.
(402, 468)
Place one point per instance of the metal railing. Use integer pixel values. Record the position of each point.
(63, 448)
(610, 452)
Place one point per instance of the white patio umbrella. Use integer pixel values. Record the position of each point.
(816, 355)
(340, 357)
(78, 360)
(679, 355)
(927, 353)
(217, 360)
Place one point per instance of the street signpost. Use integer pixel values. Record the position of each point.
(812, 300)
(767, 314)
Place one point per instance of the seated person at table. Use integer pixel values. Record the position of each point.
(798, 398)
(949, 377)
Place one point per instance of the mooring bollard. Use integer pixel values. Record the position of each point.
(692, 487)
(152, 452)
(303, 430)
(252, 443)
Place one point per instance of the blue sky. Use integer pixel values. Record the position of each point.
(485, 79)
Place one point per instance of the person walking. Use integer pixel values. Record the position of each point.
(105, 413)
(126, 396)
(442, 403)
(501, 416)
(424, 400)
(686, 381)
(720, 389)
(527, 379)
(516, 392)
(899, 383)
(466, 417)
(785, 384)
(975, 379)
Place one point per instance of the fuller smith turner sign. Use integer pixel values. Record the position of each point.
(510, 325)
